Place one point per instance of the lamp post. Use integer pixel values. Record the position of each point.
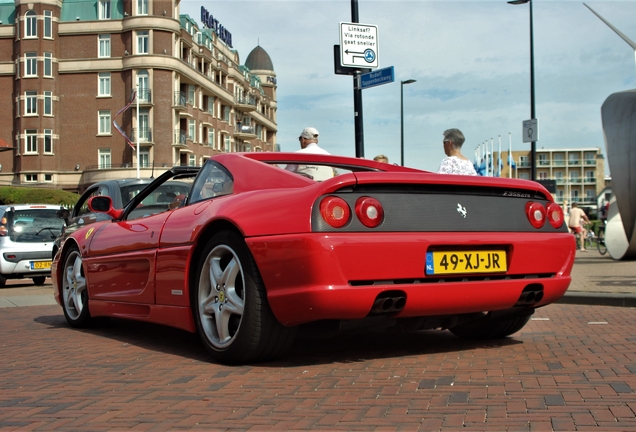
(533, 144)
(409, 81)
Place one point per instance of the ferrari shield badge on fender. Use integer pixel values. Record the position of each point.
(90, 231)
(461, 210)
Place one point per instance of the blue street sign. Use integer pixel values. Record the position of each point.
(377, 77)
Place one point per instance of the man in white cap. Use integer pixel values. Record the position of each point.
(309, 141)
(309, 144)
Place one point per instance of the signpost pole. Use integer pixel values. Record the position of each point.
(357, 96)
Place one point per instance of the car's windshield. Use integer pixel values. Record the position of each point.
(33, 225)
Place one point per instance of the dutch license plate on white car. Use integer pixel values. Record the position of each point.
(40, 265)
(466, 262)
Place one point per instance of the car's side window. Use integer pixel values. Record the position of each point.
(214, 180)
(167, 196)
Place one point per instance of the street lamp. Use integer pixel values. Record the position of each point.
(409, 81)
(533, 144)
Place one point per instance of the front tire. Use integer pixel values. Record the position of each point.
(230, 308)
(74, 292)
(493, 327)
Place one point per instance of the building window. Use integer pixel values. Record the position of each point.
(191, 94)
(192, 160)
(31, 102)
(142, 7)
(30, 25)
(144, 125)
(144, 158)
(143, 86)
(210, 100)
(31, 141)
(48, 103)
(104, 45)
(48, 178)
(48, 64)
(48, 24)
(227, 144)
(104, 158)
(104, 84)
(142, 42)
(104, 9)
(191, 130)
(226, 113)
(211, 141)
(30, 64)
(104, 123)
(48, 141)
(31, 178)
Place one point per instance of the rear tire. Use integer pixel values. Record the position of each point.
(493, 328)
(39, 280)
(74, 290)
(230, 308)
(3, 281)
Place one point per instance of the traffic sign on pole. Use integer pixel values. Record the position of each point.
(531, 130)
(359, 45)
(376, 78)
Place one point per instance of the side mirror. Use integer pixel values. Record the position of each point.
(104, 204)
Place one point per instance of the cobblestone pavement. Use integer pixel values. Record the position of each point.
(571, 368)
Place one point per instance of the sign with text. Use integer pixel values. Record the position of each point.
(359, 45)
(377, 77)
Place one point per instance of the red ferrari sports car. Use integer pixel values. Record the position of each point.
(258, 250)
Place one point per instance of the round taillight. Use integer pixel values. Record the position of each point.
(555, 215)
(369, 211)
(536, 214)
(335, 211)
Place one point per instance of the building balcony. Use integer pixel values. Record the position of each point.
(576, 180)
(558, 162)
(145, 96)
(544, 163)
(244, 132)
(181, 139)
(590, 162)
(180, 100)
(525, 164)
(245, 104)
(574, 162)
(145, 135)
(590, 180)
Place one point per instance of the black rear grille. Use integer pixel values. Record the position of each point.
(442, 279)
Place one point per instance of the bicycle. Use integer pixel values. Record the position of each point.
(600, 239)
(589, 240)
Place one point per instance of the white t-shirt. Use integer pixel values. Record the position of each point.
(455, 165)
(317, 172)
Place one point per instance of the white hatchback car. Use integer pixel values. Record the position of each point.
(27, 233)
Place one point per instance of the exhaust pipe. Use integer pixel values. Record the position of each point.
(531, 295)
(389, 302)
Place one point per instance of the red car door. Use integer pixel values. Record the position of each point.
(122, 256)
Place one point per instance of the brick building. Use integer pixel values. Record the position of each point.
(67, 68)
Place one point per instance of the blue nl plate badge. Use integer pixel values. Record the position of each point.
(430, 267)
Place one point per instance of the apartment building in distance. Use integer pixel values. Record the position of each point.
(68, 68)
(579, 173)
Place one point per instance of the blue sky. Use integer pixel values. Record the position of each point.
(471, 60)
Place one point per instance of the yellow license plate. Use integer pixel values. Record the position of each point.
(40, 265)
(466, 262)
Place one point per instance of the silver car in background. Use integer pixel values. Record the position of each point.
(27, 233)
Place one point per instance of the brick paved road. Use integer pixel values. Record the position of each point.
(571, 368)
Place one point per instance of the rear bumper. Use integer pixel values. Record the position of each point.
(318, 276)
